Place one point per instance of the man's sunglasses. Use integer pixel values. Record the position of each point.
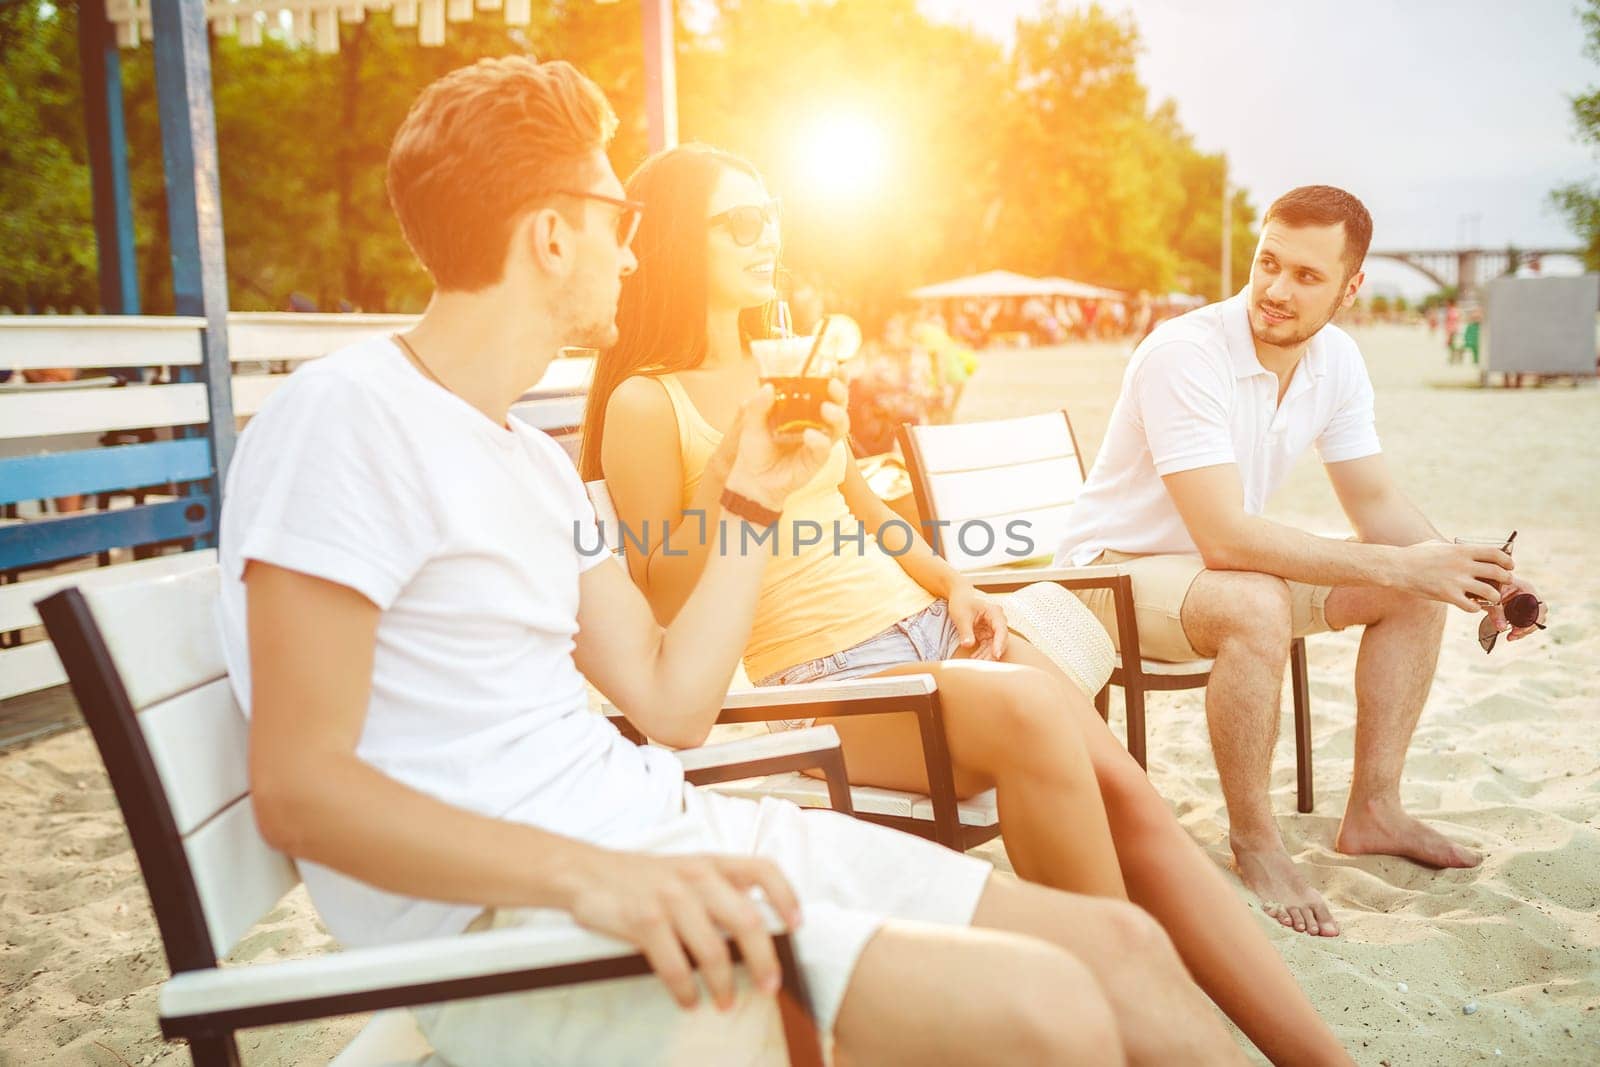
(747, 222)
(628, 212)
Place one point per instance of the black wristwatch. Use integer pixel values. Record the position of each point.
(748, 509)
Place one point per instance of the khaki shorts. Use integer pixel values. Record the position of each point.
(851, 878)
(1161, 585)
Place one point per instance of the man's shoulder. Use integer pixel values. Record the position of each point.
(1340, 350)
(356, 370)
(546, 450)
(1336, 338)
(330, 405)
(1202, 326)
(1194, 339)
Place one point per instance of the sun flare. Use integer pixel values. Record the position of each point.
(841, 155)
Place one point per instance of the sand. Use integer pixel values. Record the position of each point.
(1506, 759)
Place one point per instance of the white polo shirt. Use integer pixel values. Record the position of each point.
(1195, 395)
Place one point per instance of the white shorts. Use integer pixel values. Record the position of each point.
(850, 877)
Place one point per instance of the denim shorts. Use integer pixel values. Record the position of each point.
(927, 636)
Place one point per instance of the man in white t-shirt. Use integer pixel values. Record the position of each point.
(413, 596)
(1215, 407)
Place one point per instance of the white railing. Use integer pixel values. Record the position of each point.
(53, 418)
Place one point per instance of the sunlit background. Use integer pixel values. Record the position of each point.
(910, 140)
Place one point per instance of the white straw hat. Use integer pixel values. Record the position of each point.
(1056, 623)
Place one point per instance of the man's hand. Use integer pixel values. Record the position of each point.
(767, 469)
(1468, 576)
(979, 620)
(1498, 613)
(668, 904)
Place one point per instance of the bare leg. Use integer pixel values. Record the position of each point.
(1244, 620)
(1004, 732)
(1160, 1012)
(1399, 651)
(926, 994)
(1169, 876)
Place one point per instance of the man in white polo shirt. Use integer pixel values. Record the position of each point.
(1215, 407)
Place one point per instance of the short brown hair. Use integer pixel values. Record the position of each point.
(478, 147)
(1325, 205)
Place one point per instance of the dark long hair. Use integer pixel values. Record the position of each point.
(661, 312)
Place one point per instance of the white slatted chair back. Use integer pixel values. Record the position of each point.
(35, 666)
(995, 487)
(163, 640)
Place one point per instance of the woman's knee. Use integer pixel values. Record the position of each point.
(1030, 729)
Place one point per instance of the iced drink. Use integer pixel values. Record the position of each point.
(798, 401)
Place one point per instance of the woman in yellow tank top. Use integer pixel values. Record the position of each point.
(1076, 811)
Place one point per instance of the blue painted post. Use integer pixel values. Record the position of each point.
(660, 74)
(194, 202)
(101, 73)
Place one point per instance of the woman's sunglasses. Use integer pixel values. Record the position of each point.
(747, 222)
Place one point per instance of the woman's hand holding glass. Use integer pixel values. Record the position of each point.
(767, 467)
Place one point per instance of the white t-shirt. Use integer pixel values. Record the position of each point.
(1195, 395)
(362, 472)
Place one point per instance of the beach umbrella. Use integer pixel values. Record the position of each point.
(1081, 290)
(994, 283)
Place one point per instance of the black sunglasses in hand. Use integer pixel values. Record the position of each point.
(1521, 611)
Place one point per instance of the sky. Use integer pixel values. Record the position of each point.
(1449, 118)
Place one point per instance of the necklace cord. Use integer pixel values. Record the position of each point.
(411, 354)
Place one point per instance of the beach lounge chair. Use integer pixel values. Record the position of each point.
(146, 666)
(1030, 469)
(939, 816)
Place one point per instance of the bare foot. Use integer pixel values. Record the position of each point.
(1285, 895)
(1383, 827)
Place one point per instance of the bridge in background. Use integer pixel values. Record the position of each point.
(1466, 269)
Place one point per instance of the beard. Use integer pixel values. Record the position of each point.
(590, 318)
(596, 333)
(1297, 333)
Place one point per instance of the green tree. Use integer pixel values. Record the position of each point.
(1050, 160)
(1195, 231)
(1580, 201)
(44, 179)
(1101, 183)
(302, 140)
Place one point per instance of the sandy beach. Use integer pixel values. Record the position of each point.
(1500, 964)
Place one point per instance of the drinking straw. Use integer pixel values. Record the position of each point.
(779, 322)
(816, 345)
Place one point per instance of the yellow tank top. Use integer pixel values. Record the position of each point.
(814, 600)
